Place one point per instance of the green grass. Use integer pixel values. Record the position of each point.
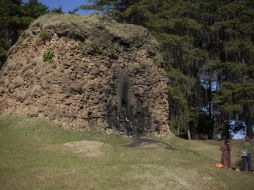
(34, 155)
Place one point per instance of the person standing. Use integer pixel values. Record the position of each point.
(225, 155)
(245, 152)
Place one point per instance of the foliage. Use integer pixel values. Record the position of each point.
(15, 17)
(3, 53)
(34, 9)
(57, 10)
(48, 56)
(44, 35)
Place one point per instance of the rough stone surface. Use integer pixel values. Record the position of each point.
(95, 60)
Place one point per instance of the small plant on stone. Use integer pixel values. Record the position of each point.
(134, 49)
(44, 35)
(81, 45)
(101, 50)
(76, 35)
(48, 56)
(117, 47)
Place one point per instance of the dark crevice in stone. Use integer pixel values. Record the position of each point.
(129, 116)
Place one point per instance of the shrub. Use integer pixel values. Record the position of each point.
(3, 52)
(48, 56)
(101, 50)
(76, 35)
(134, 49)
(44, 35)
(117, 47)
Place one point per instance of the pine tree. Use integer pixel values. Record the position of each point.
(14, 18)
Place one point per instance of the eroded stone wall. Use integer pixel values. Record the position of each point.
(79, 87)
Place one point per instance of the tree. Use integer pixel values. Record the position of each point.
(14, 18)
(33, 9)
(57, 10)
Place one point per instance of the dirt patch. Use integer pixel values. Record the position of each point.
(87, 148)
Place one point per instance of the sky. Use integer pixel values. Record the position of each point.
(67, 5)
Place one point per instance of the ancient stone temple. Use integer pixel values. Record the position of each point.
(86, 71)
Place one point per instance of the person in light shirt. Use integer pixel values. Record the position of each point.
(245, 153)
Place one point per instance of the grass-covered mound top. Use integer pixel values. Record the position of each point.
(37, 155)
(97, 33)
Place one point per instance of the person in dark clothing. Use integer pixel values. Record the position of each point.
(225, 155)
(245, 153)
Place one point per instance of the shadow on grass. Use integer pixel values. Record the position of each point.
(146, 141)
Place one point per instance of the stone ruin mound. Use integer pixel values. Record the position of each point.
(86, 71)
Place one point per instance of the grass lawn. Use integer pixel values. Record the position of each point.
(35, 154)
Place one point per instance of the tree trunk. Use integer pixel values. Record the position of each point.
(248, 120)
(189, 133)
(210, 133)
